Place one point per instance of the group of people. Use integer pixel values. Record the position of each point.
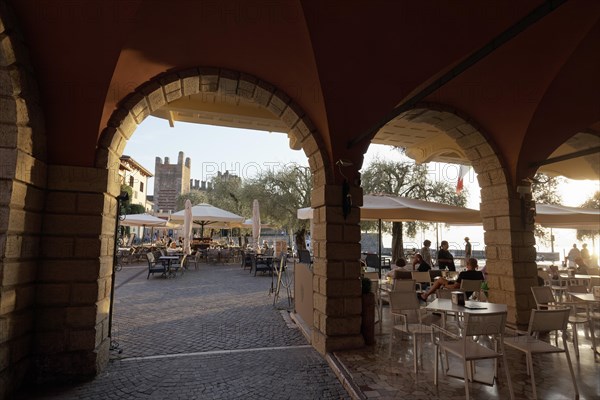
(579, 259)
(422, 261)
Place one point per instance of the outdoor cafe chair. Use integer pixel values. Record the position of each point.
(545, 300)
(469, 350)
(155, 267)
(528, 342)
(403, 303)
(195, 259)
(471, 287)
(423, 280)
(178, 265)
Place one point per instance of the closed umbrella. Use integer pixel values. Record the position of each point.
(187, 228)
(256, 223)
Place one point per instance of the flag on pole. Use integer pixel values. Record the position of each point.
(462, 172)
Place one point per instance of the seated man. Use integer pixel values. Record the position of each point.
(470, 274)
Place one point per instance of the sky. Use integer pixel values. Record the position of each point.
(246, 152)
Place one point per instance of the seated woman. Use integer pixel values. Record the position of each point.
(470, 274)
(400, 264)
(419, 264)
(581, 267)
(173, 248)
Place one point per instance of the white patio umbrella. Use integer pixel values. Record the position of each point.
(256, 223)
(206, 214)
(143, 220)
(187, 228)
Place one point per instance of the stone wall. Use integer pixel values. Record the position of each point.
(22, 184)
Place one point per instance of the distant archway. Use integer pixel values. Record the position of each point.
(510, 264)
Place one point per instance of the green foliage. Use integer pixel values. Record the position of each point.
(411, 180)
(126, 206)
(135, 209)
(280, 194)
(195, 196)
(544, 190)
(592, 202)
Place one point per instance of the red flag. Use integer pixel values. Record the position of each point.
(463, 170)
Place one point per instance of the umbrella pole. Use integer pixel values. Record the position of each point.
(379, 246)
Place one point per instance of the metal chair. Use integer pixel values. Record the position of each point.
(545, 300)
(528, 342)
(471, 287)
(422, 279)
(401, 303)
(468, 350)
(154, 267)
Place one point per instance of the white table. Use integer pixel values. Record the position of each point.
(589, 298)
(470, 307)
(446, 305)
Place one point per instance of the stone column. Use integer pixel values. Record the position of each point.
(336, 283)
(74, 277)
(510, 250)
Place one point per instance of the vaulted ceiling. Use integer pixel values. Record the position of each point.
(525, 73)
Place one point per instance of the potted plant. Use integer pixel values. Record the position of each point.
(368, 311)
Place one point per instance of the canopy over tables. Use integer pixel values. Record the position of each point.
(205, 214)
(557, 216)
(396, 208)
(392, 208)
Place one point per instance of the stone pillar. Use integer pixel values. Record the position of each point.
(74, 277)
(510, 250)
(336, 283)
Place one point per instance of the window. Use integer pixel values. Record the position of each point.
(131, 180)
(142, 187)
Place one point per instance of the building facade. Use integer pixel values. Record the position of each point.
(134, 175)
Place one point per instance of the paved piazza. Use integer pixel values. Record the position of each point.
(212, 333)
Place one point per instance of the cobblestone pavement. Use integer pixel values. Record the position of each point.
(211, 333)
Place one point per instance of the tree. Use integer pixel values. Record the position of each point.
(544, 190)
(411, 180)
(592, 202)
(126, 206)
(280, 194)
(195, 196)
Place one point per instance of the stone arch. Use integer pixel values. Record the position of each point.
(508, 235)
(22, 196)
(302, 133)
(174, 85)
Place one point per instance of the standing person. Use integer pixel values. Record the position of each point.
(468, 250)
(573, 254)
(444, 258)
(585, 254)
(426, 252)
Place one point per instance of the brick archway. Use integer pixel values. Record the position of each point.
(508, 236)
(172, 86)
(22, 196)
(302, 133)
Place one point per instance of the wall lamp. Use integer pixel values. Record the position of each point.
(346, 196)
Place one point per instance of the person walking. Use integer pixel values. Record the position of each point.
(574, 253)
(468, 250)
(426, 252)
